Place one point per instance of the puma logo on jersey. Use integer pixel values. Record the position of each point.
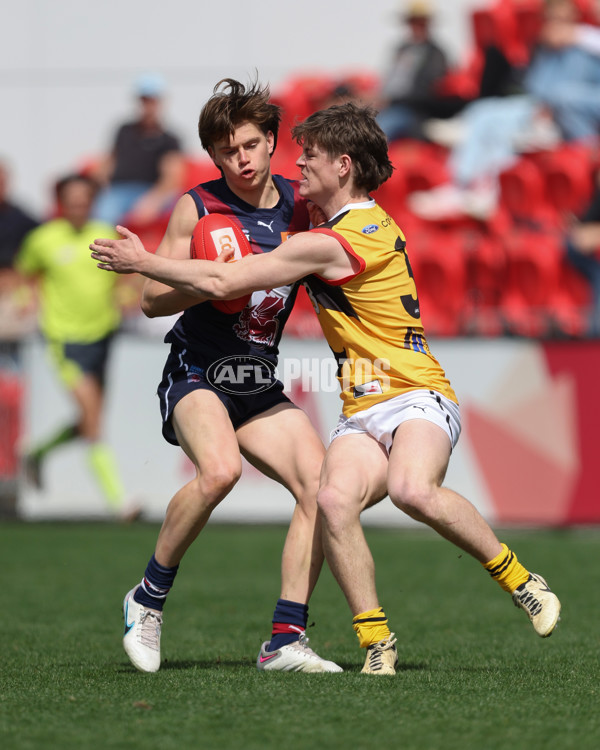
(269, 226)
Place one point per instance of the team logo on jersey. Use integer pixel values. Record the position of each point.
(364, 389)
(242, 374)
(369, 229)
(259, 320)
(195, 374)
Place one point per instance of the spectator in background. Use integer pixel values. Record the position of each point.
(143, 171)
(408, 90)
(78, 316)
(560, 99)
(14, 225)
(583, 252)
(14, 222)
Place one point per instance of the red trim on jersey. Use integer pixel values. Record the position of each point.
(348, 248)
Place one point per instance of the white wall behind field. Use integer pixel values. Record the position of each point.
(67, 67)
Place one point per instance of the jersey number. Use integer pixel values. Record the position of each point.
(410, 303)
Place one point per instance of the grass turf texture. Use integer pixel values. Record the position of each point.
(472, 672)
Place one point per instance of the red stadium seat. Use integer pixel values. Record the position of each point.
(198, 170)
(440, 275)
(528, 16)
(11, 403)
(302, 95)
(572, 302)
(568, 177)
(522, 188)
(486, 267)
(496, 25)
(424, 165)
(365, 85)
(533, 274)
(391, 196)
(463, 81)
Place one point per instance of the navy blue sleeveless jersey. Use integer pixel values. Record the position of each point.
(209, 333)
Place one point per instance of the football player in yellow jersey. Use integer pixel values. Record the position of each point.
(400, 418)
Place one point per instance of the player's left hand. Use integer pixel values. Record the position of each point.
(121, 256)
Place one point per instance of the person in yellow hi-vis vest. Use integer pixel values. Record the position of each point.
(400, 418)
(78, 316)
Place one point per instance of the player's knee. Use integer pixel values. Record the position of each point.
(214, 484)
(305, 493)
(330, 501)
(412, 497)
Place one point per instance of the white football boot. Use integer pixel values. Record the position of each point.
(382, 657)
(295, 657)
(141, 640)
(540, 603)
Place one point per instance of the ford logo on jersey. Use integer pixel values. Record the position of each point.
(242, 374)
(370, 228)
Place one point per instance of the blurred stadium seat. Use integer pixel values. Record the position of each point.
(496, 25)
(11, 399)
(197, 170)
(440, 274)
(568, 177)
(532, 281)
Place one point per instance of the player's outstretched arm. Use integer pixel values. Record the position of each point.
(301, 255)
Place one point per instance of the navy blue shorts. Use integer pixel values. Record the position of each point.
(72, 358)
(183, 374)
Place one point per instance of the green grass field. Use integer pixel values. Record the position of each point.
(473, 673)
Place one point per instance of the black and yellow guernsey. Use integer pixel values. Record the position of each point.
(371, 318)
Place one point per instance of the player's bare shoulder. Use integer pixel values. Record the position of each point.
(176, 241)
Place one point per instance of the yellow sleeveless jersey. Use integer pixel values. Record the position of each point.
(371, 320)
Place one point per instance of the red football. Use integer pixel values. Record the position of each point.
(213, 234)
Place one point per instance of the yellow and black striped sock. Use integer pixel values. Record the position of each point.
(507, 570)
(371, 627)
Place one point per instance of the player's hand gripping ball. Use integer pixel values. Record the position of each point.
(212, 235)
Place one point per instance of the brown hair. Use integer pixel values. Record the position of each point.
(232, 104)
(63, 183)
(350, 129)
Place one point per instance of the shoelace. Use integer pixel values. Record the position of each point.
(151, 623)
(529, 602)
(303, 643)
(376, 652)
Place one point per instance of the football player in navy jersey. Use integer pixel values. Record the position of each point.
(215, 426)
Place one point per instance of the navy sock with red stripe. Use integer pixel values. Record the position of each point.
(155, 585)
(289, 622)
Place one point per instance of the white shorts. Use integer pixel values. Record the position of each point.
(381, 420)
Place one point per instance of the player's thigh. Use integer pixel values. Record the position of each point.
(355, 469)
(282, 444)
(420, 454)
(205, 433)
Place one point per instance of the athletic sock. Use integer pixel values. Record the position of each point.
(371, 627)
(507, 570)
(289, 622)
(155, 585)
(104, 467)
(62, 436)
